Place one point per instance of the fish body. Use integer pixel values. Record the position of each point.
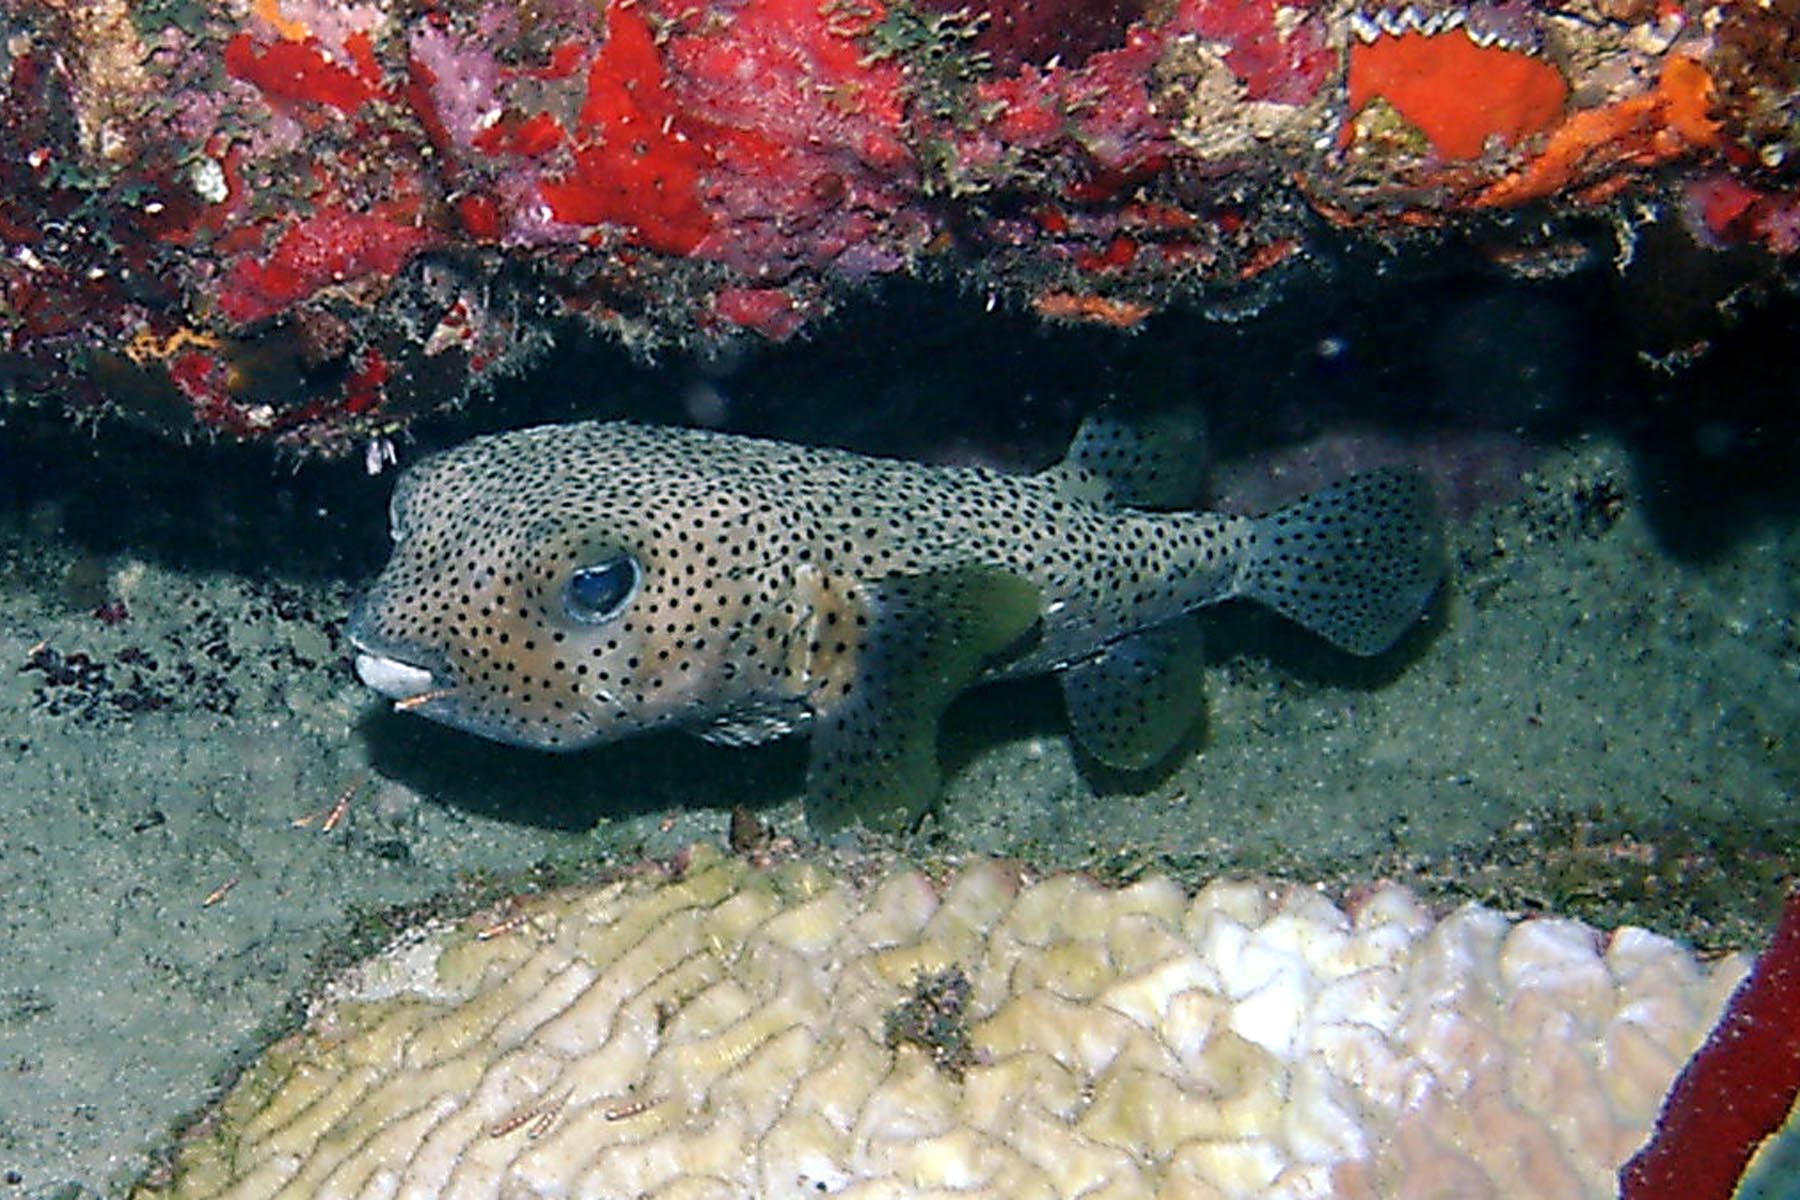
(567, 585)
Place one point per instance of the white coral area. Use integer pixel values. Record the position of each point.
(724, 1036)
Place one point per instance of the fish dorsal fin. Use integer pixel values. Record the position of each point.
(874, 742)
(1159, 462)
(1132, 703)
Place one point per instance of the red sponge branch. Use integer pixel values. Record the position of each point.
(1736, 1091)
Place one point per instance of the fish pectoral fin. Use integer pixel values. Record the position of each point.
(874, 741)
(1132, 703)
(1157, 462)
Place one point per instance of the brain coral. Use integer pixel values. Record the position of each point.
(732, 1031)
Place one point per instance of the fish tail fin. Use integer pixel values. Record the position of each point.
(1355, 562)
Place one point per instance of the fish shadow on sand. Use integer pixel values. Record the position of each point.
(1245, 631)
(659, 772)
(1015, 710)
(572, 792)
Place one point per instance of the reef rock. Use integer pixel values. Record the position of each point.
(313, 223)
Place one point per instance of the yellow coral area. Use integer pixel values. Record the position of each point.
(744, 1032)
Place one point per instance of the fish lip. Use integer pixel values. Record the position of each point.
(394, 678)
(386, 669)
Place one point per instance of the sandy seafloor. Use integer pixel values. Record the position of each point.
(1601, 716)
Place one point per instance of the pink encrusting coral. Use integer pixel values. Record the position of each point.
(673, 172)
(302, 72)
(636, 155)
(1282, 54)
(759, 135)
(333, 246)
(813, 168)
(1727, 210)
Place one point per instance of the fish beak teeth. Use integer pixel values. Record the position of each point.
(392, 678)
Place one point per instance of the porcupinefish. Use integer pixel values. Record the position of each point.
(567, 585)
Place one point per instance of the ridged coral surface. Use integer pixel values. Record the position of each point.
(742, 1032)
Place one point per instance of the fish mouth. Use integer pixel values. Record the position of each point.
(431, 694)
(412, 689)
(434, 692)
(408, 684)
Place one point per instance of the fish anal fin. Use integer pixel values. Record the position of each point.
(874, 738)
(1159, 462)
(1131, 704)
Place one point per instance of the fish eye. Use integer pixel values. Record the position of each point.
(596, 594)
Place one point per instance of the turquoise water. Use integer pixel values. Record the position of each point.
(1598, 718)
